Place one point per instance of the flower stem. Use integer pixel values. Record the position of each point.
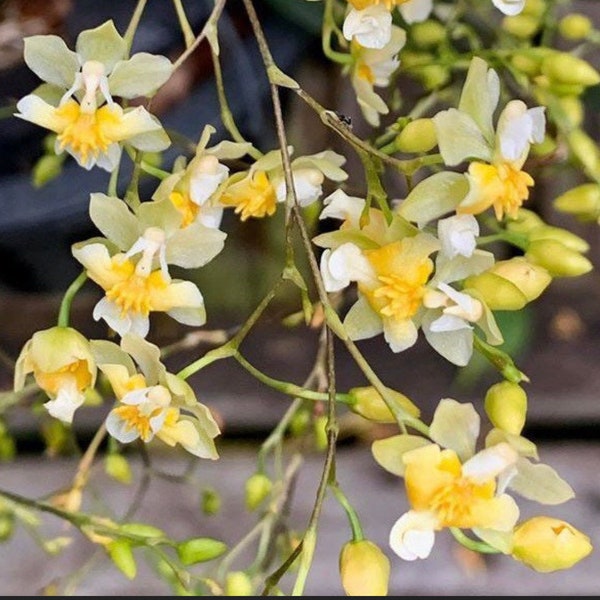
(65, 306)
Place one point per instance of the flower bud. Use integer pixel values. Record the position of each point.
(572, 108)
(564, 236)
(417, 136)
(586, 150)
(557, 259)
(197, 550)
(47, 168)
(534, 8)
(575, 26)
(320, 431)
(582, 201)
(506, 406)
(210, 502)
(364, 569)
(368, 403)
(547, 544)
(524, 222)
(117, 467)
(258, 487)
(510, 284)
(566, 68)
(433, 76)
(237, 583)
(427, 34)
(521, 26)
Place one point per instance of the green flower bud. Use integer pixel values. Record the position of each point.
(506, 406)
(237, 583)
(497, 292)
(320, 431)
(521, 26)
(586, 150)
(547, 544)
(535, 8)
(427, 34)
(258, 487)
(121, 554)
(411, 58)
(564, 236)
(299, 422)
(575, 26)
(211, 501)
(582, 201)
(117, 467)
(197, 550)
(368, 403)
(525, 221)
(433, 76)
(47, 168)
(417, 136)
(573, 110)
(364, 569)
(566, 68)
(530, 279)
(7, 524)
(529, 61)
(557, 259)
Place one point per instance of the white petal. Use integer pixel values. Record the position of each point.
(400, 335)
(413, 535)
(370, 27)
(509, 7)
(458, 235)
(118, 429)
(489, 463)
(67, 401)
(415, 11)
(339, 205)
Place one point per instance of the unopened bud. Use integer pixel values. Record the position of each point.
(566, 68)
(237, 583)
(497, 292)
(535, 8)
(117, 467)
(547, 544)
(521, 26)
(572, 107)
(47, 168)
(582, 201)
(530, 279)
(427, 34)
(364, 569)
(258, 487)
(368, 403)
(557, 259)
(524, 222)
(575, 26)
(506, 406)
(211, 501)
(417, 136)
(433, 76)
(320, 431)
(564, 236)
(586, 150)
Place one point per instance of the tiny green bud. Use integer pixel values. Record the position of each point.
(524, 222)
(497, 292)
(117, 467)
(586, 150)
(238, 583)
(197, 550)
(427, 34)
(506, 406)
(564, 236)
(211, 501)
(530, 279)
(521, 26)
(142, 530)
(121, 554)
(582, 201)
(47, 168)
(572, 107)
(417, 136)
(535, 8)
(368, 403)
(320, 431)
(557, 259)
(433, 76)
(547, 544)
(566, 68)
(364, 569)
(7, 525)
(258, 487)
(299, 422)
(575, 26)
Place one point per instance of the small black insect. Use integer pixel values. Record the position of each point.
(347, 121)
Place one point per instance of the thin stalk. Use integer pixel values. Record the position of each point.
(133, 23)
(65, 306)
(188, 34)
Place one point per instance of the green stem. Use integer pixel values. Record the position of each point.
(290, 389)
(357, 530)
(65, 305)
(133, 24)
(188, 34)
(476, 546)
(155, 171)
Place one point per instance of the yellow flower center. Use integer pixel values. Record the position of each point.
(254, 196)
(365, 72)
(135, 292)
(134, 418)
(502, 186)
(84, 132)
(52, 382)
(453, 503)
(184, 204)
(389, 4)
(402, 276)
